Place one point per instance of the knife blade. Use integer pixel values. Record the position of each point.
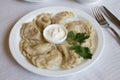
(110, 16)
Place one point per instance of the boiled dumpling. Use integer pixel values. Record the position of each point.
(73, 61)
(44, 48)
(30, 31)
(33, 47)
(43, 20)
(91, 42)
(41, 59)
(26, 47)
(54, 59)
(70, 58)
(79, 27)
(83, 27)
(61, 17)
(51, 60)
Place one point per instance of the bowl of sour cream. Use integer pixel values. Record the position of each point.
(55, 33)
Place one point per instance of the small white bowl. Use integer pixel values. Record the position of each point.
(35, 0)
(87, 1)
(53, 39)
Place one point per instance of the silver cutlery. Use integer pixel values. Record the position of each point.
(110, 16)
(102, 21)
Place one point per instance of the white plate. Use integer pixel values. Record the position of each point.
(14, 40)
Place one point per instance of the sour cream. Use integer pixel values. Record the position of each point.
(55, 33)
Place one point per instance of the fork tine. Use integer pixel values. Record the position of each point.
(100, 14)
(95, 14)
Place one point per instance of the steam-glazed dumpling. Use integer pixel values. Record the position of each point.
(91, 42)
(43, 48)
(79, 27)
(34, 47)
(30, 31)
(83, 27)
(27, 45)
(43, 20)
(70, 58)
(51, 60)
(61, 17)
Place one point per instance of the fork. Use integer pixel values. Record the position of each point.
(102, 21)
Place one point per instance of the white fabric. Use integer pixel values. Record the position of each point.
(106, 68)
(114, 7)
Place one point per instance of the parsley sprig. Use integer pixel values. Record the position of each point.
(76, 40)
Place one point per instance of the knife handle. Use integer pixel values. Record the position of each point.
(116, 34)
(110, 16)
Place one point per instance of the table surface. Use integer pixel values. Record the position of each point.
(106, 68)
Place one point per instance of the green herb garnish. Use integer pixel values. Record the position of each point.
(82, 51)
(81, 37)
(76, 41)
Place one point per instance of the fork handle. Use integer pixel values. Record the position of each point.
(115, 33)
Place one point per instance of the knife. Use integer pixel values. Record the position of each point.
(110, 16)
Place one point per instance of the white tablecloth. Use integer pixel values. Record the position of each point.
(106, 68)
